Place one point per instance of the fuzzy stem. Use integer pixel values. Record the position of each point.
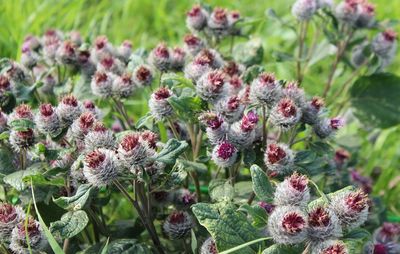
(302, 35)
(264, 126)
(23, 158)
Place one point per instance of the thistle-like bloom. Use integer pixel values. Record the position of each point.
(233, 69)
(10, 216)
(224, 154)
(178, 224)
(101, 167)
(208, 247)
(47, 121)
(132, 151)
(159, 105)
(37, 239)
(101, 48)
(279, 158)
(85, 63)
(216, 128)
(196, 18)
(210, 87)
(382, 248)
(21, 139)
(351, 207)
(192, 44)
(288, 225)
(142, 76)
(341, 156)
(22, 111)
(68, 110)
(325, 127)
(81, 126)
(88, 106)
(31, 42)
(242, 134)
(205, 61)
(5, 85)
(384, 240)
(149, 138)
(66, 53)
(123, 85)
(265, 89)
(285, 114)
(183, 198)
(366, 14)
(178, 58)
(124, 51)
(304, 9)
(110, 64)
(268, 207)
(99, 137)
(102, 84)
(75, 37)
(230, 108)
(160, 57)
(218, 21)
(388, 232)
(51, 43)
(312, 110)
(323, 224)
(18, 74)
(29, 58)
(385, 44)
(347, 11)
(294, 92)
(293, 191)
(329, 247)
(234, 86)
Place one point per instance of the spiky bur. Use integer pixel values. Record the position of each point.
(293, 191)
(37, 239)
(102, 83)
(312, 110)
(224, 154)
(5, 85)
(51, 42)
(210, 87)
(388, 232)
(381, 248)
(192, 44)
(358, 56)
(178, 59)
(81, 126)
(323, 224)
(20, 140)
(183, 199)
(124, 51)
(47, 120)
(351, 207)
(22, 111)
(178, 224)
(265, 89)
(327, 128)
(10, 216)
(347, 11)
(123, 86)
(132, 151)
(303, 10)
(196, 18)
(101, 48)
(160, 57)
(150, 139)
(99, 137)
(218, 22)
(285, 114)
(68, 110)
(295, 93)
(329, 247)
(66, 53)
(366, 15)
(29, 58)
(208, 247)
(216, 128)
(230, 108)
(279, 158)
(384, 45)
(142, 76)
(75, 37)
(242, 133)
(101, 167)
(89, 106)
(288, 225)
(159, 105)
(205, 61)
(110, 64)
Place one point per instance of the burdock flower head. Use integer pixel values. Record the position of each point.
(288, 225)
(101, 167)
(89, 106)
(230, 108)
(183, 198)
(294, 92)
(111, 64)
(192, 44)
(102, 83)
(293, 191)
(160, 57)
(47, 121)
(69, 109)
(178, 224)
(242, 133)
(312, 110)
(265, 89)
(21, 139)
(66, 53)
(208, 247)
(29, 58)
(99, 137)
(216, 128)
(329, 247)
(388, 232)
(81, 126)
(218, 21)
(210, 86)
(178, 58)
(205, 61)
(196, 18)
(366, 14)
(234, 86)
(351, 207)
(279, 158)
(101, 48)
(10, 216)
(304, 9)
(21, 112)
(347, 11)
(142, 76)
(385, 44)
(285, 114)
(323, 224)
(159, 105)
(132, 151)
(326, 127)
(150, 138)
(124, 51)
(37, 239)
(5, 85)
(224, 154)
(123, 86)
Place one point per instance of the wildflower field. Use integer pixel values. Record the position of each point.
(205, 127)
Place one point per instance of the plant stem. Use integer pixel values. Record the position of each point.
(121, 109)
(23, 158)
(302, 35)
(264, 126)
(66, 245)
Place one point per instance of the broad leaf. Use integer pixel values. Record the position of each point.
(70, 224)
(16, 179)
(221, 190)
(187, 107)
(282, 249)
(252, 73)
(76, 202)
(258, 214)
(6, 163)
(192, 166)
(171, 151)
(261, 185)
(249, 53)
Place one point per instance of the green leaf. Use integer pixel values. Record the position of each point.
(261, 185)
(174, 80)
(221, 190)
(127, 246)
(357, 234)
(171, 151)
(249, 156)
(376, 101)
(192, 166)
(21, 124)
(249, 53)
(76, 202)
(4, 135)
(40, 180)
(245, 245)
(193, 242)
(258, 214)
(251, 73)
(228, 227)
(282, 249)
(187, 107)
(145, 121)
(6, 161)
(71, 224)
(16, 179)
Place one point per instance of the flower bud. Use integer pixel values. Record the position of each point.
(279, 158)
(47, 121)
(388, 232)
(294, 92)
(66, 53)
(385, 44)
(293, 191)
(233, 18)
(233, 69)
(101, 49)
(10, 216)
(85, 63)
(216, 128)
(132, 151)
(312, 110)
(18, 74)
(124, 51)
(224, 154)
(88, 106)
(210, 87)
(347, 11)
(341, 156)
(123, 85)
(218, 21)
(68, 110)
(285, 114)
(242, 134)
(21, 139)
(304, 9)
(265, 89)
(150, 138)
(288, 225)
(205, 61)
(178, 57)
(142, 76)
(183, 198)
(159, 105)
(208, 247)
(31, 42)
(51, 43)
(76, 38)
(99, 137)
(32, 229)
(268, 207)
(81, 126)
(22, 111)
(110, 64)
(358, 56)
(178, 224)
(5, 85)
(325, 128)
(323, 224)
(230, 108)
(29, 58)
(102, 83)
(234, 86)
(101, 167)
(329, 247)
(351, 207)
(193, 44)
(160, 57)
(196, 18)
(366, 15)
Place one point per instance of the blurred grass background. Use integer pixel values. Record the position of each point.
(146, 22)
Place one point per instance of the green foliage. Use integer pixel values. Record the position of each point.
(261, 185)
(78, 201)
(70, 224)
(172, 149)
